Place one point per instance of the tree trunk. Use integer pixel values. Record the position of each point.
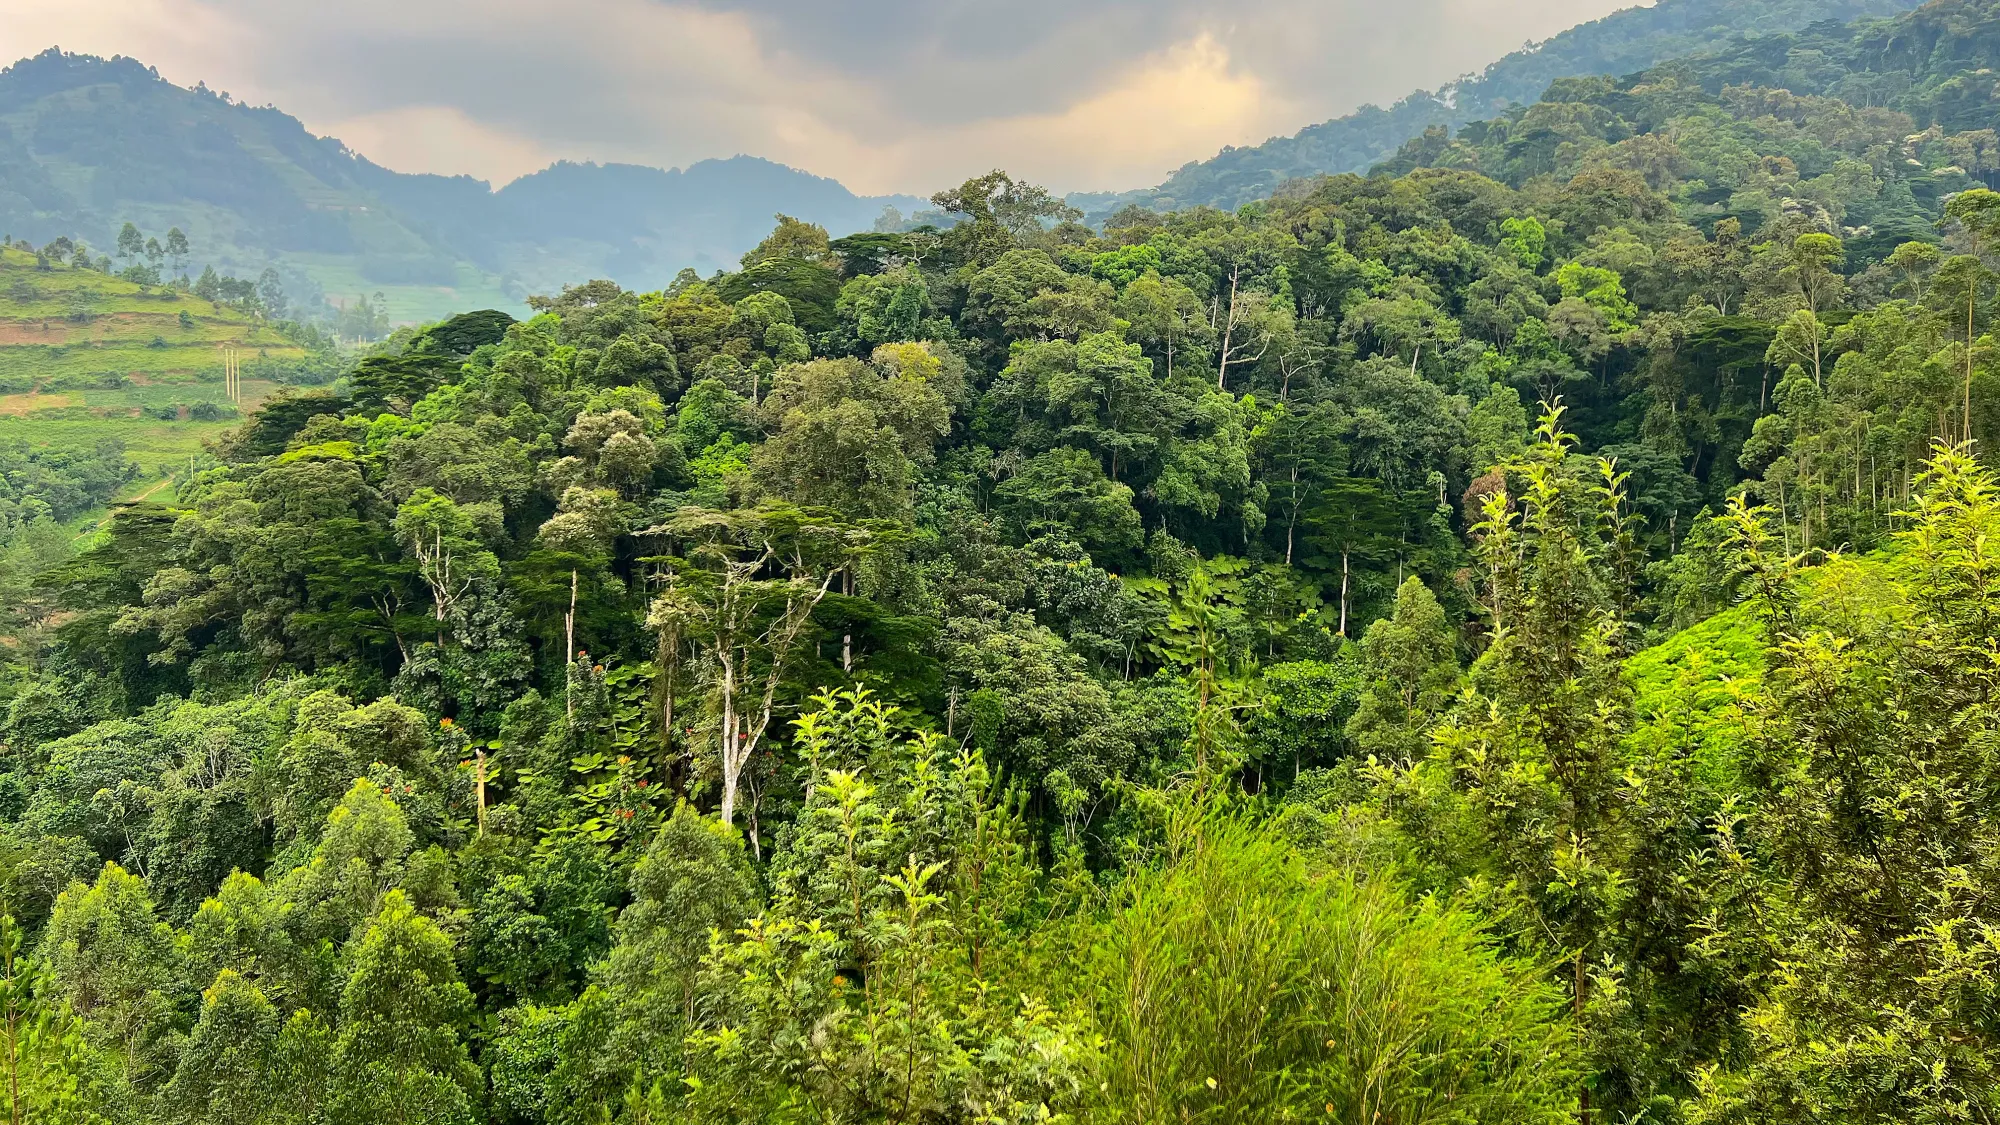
(1343, 592)
(569, 648)
(1292, 525)
(1576, 1011)
(1970, 291)
(1228, 330)
(731, 744)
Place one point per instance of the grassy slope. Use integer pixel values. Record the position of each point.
(344, 280)
(1688, 688)
(85, 357)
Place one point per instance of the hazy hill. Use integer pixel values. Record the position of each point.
(1618, 44)
(87, 144)
(1926, 75)
(642, 224)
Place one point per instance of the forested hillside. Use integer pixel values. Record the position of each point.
(88, 144)
(1506, 639)
(1619, 44)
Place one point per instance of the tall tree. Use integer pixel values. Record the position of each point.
(399, 1057)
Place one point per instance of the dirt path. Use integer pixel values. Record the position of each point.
(146, 495)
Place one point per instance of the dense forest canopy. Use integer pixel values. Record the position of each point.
(1506, 638)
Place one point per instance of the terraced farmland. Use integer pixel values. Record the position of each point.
(84, 356)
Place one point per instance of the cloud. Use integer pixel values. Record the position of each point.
(885, 95)
(441, 138)
(1183, 99)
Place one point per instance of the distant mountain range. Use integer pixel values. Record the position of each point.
(1619, 44)
(88, 144)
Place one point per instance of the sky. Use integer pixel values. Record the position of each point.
(883, 95)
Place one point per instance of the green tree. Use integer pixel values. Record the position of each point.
(225, 1071)
(117, 965)
(178, 250)
(399, 1056)
(791, 238)
(1869, 759)
(846, 435)
(694, 885)
(445, 543)
(1351, 516)
(1525, 238)
(1066, 488)
(1411, 668)
(888, 980)
(49, 1072)
(301, 1070)
(1532, 760)
(746, 628)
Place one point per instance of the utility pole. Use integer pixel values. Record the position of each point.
(232, 376)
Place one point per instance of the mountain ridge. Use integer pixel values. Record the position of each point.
(1621, 43)
(89, 143)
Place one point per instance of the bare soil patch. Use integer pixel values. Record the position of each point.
(21, 405)
(33, 331)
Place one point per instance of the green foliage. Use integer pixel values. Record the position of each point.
(57, 485)
(1017, 671)
(226, 1070)
(399, 1056)
(891, 976)
(694, 883)
(51, 1072)
(1238, 985)
(115, 963)
(1411, 670)
(1866, 740)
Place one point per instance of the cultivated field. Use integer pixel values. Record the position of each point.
(85, 357)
